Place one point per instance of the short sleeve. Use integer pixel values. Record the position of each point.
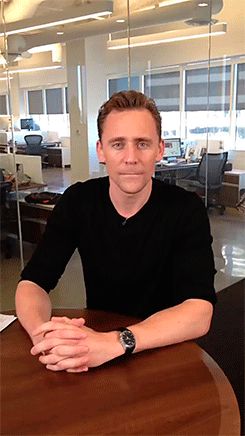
(57, 245)
(193, 259)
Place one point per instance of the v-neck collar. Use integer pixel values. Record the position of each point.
(122, 219)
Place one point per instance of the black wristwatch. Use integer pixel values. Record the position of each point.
(127, 340)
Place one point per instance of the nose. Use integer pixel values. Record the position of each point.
(131, 155)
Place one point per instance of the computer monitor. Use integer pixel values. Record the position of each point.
(27, 124)
(172, 148)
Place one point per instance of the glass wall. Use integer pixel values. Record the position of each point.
(189, 57)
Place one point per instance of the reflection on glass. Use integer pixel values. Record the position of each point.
(240, 107)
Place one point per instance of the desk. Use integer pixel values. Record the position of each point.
(33, 220)
(59, 156)
(232, 187)
(174, 171)
(177, 390)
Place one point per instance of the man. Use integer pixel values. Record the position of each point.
(145, 249)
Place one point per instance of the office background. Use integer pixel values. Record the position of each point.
(59, 75)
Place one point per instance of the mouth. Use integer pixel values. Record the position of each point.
(131, 174)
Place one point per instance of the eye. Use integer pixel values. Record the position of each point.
(117, 145)
(142, 145)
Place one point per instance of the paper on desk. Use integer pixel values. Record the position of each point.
(5, 320)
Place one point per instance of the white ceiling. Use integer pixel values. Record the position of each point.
(23, 13)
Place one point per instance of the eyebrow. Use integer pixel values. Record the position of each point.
(116, 139)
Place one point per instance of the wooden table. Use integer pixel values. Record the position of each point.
(177, 390)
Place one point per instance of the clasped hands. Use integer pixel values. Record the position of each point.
(67, 344)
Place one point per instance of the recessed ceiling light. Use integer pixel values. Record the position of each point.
(60, 33)
(120, 21)
(202, 5)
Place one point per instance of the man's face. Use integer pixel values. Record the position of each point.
(129, 147)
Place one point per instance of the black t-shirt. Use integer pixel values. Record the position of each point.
(156, 259)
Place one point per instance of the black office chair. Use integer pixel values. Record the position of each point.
(34, 147)
(5, 187)
(210, 174)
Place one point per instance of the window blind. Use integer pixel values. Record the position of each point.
(121, 84)
(164, 88)
(240, 100)
(3, 105)
(54, 101)
(66, 101)
(35, 102)
(197, 89)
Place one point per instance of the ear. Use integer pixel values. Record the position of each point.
(161, 146)
(100, 152)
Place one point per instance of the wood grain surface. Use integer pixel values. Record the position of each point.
(176, 390)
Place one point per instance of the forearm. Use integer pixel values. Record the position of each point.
(188, 320)
(33, 306)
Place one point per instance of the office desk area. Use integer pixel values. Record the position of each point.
(180, 169)
(174, 390)
(172, 171)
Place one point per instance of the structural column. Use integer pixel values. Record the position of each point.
(77, 101)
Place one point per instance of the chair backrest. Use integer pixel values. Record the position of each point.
(33, 139)
(34, 149)
(212, 167)
(33, 146)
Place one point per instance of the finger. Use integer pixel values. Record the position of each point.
(74, 321)
(78, 321)
(48, 344)
(67, 334)
(68, 350)
(82, 369)
(54, 359)
(70, 363)
(52, 325)
(60, 319)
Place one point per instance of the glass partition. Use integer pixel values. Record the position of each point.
(187, 55)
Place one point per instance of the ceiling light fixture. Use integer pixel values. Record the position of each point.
(30, 70)
(203, 5)
(87, 10)
(120, 21)
(41, 48)
(59, 33)
(167, 37)
(171, 2)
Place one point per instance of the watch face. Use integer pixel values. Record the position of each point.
(127, 340)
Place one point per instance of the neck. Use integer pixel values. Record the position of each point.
(128, 204)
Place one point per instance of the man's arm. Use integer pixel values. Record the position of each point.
(188, 320)
(185, 321)
(33, 307)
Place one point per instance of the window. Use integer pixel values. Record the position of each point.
(66, 101)
(121, 84)
(3, 105)
(49, 108)
(54, 101)
(35, 102)
(164, 88)
(240, 107)
(207, 102)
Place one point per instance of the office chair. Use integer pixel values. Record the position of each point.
(210, 173)
(34, 147)
(5, 187)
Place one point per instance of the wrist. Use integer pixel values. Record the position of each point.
(116, 348)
